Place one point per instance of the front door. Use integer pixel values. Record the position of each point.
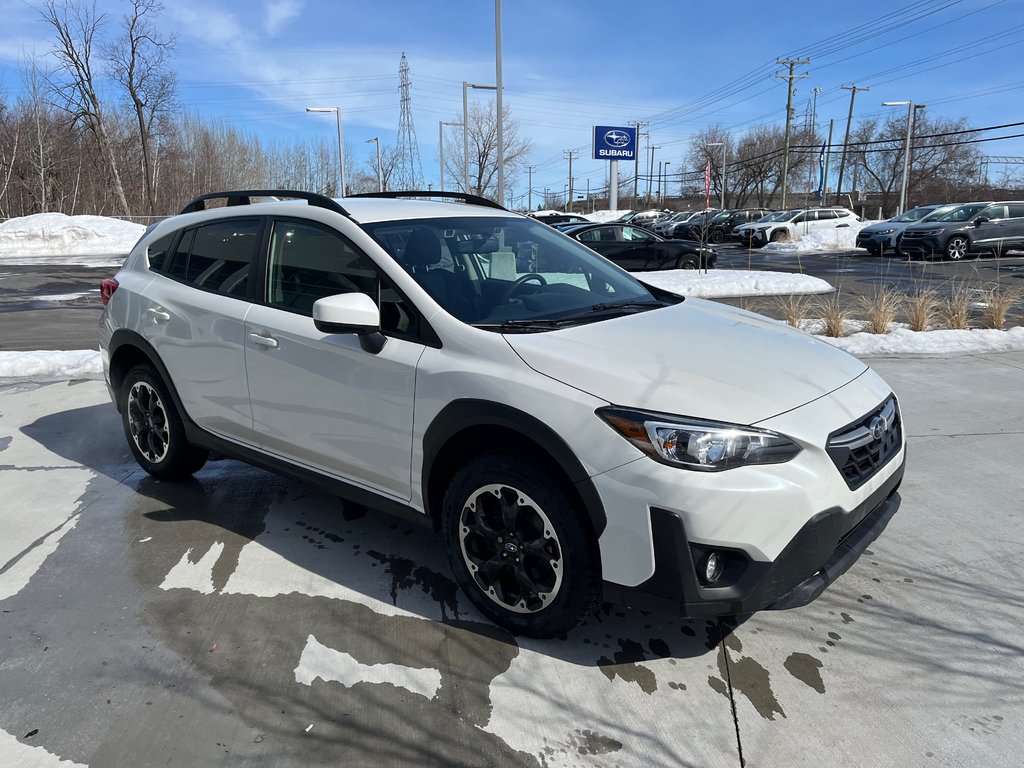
(320, 400)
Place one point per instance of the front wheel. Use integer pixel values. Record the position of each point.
(156, 435)
(956, 248)
(716, 236)
(519, 546)
(687, 262)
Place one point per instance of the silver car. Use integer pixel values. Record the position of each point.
(878, 238)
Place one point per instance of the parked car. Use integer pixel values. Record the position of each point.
(716, 228)
(647, 218)
(970, 229)
(637, 249)
(878, 238)
(787, 226)
(679, 229)
(575, 434)
(661, 225)
(553, 219)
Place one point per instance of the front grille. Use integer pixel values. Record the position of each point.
(862, 448)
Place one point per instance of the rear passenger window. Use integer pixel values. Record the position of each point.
(156, 252)
(1015, 211)
(216, 257)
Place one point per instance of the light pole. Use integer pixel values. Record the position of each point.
(341, 146)
(664, 187)
(723, 145)
(440, 146)
(498, 105)
(380, 176)
(650, 170)
(465, 126)
(911, 107)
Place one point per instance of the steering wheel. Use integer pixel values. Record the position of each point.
(510, 291)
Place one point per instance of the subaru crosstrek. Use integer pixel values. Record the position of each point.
(575, 434)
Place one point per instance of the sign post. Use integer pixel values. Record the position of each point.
(614, 143)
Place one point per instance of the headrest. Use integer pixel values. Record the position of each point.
(422, 248)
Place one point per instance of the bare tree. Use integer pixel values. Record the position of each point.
(483, 150)
(74, 83)
(138, 61)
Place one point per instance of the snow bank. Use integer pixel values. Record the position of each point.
(902, 341)
(55, 238)
(46, 365)
(720, 283)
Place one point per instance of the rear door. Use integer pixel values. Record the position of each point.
(194, 318)
(989, 229)
(320, 400)
(1014, 237)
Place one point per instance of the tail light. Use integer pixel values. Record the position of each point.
(107, 288)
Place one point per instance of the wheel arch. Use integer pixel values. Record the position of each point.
(127, 349)
(458, 431)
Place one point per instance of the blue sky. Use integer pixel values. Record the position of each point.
(682, 66)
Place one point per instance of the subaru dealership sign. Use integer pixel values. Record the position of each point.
(614, 143)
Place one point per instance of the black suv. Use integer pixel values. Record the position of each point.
(972, 228)
(718, 227)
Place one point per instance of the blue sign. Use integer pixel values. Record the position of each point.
(614, 143)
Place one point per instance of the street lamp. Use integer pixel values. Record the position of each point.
(723, 145)
(664, 187)
(440, 147)
(497, 99)
(465, 123)
(380, 176)
(341, 145)
(911, 110)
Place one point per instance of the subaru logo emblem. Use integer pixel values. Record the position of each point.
(511, 548)
(877, 427)
(616, 138)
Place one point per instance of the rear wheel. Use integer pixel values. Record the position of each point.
(956, 248)
(519, 547)
(156, 435)
(716, 236)
(687, 262)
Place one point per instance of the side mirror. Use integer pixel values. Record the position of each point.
(979, 221)
(350, 313)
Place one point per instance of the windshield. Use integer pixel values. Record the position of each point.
(722, 216)
(510, 273)
(915, 214)
(779, 216)
(961, 213)
(937, 212)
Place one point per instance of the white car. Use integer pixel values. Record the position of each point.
(787, 226)
(575, 434)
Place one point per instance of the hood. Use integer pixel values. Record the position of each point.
(880, 226)
(697, 358)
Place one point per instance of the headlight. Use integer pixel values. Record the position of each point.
(708, 446)
(929, 231)
(885, 231)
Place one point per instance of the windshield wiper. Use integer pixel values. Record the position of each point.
(600, 309)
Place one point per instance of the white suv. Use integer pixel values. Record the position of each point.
(575, 433)
(787, 226)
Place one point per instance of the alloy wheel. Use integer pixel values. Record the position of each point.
(510, 548)
(147, 420)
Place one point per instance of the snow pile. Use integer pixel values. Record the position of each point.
(719, 283)
(902, 341)
(840, 238)
(51, 238)
(47, 365)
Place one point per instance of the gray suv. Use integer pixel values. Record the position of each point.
(970, 229)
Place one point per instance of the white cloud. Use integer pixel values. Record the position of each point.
(279, 12)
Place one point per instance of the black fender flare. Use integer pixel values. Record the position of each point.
(467, 413)
(127, 338)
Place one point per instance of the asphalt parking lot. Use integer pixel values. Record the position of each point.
(248, 620)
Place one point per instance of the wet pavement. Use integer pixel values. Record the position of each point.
(245, 619)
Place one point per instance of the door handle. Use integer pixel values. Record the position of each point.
(158, 315)
(264, 341)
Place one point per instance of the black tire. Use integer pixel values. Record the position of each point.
(551, 547)
(154, 429)
(957, 248)
(716, 236)
(780, 236)
(688, 262)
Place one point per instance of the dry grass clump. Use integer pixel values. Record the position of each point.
(922, 308)
(956, 309)
(998, 303)
(880, 309)
(834, 316)
(793, 308)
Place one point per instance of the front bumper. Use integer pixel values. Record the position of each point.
(823, 549)
(876, 243)
(928, 245)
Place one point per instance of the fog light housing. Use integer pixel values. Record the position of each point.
(712, 567)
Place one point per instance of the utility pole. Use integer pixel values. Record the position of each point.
(570, 154)
(651, 149)
(828, 156)
(849, 119)
(636, 157)
(792, 64)
(529, 189)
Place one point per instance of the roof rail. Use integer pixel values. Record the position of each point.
(466, 198)
(244, 197)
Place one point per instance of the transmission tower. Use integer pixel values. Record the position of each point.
(409, 171)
